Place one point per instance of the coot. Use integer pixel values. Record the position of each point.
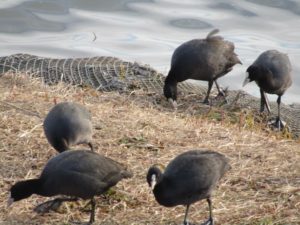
(68, 124)
(188, 178)
(272, 73)
(200, 59)
(81, 174)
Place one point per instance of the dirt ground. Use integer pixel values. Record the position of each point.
(263, 186)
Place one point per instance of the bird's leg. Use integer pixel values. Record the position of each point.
(278, 120)
(267, 103)
(210, 84)
(221, 93)
(93, 204)
(185, 222)
(279, 124)
(264, 102)
(91, 146)
(92, 215)
(52, 204)
(210, 221)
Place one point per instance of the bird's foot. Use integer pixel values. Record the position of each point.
(278, 124)
(206, 101)
(52, 205)
(208, 222)
(45, 207)
(222, 95)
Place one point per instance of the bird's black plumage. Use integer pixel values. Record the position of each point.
(200, 59)
(272, 73)
(68, 124)
(189, 177)
(82, 174)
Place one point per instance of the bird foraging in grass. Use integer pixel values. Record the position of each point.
(68, 124)
(200, 59)
(78, 174)
(272, 73)
(188, 178)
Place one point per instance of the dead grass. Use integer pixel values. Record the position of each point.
(139, 130)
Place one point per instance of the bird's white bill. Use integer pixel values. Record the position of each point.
(153, 181)
(247, 80)
(10, 200)
(174, 103)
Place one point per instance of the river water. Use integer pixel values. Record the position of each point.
(148, 31)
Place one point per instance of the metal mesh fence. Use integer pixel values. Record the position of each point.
(112, 74)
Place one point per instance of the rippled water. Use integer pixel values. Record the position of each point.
(148, 31)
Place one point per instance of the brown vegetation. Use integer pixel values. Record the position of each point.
(263, 186)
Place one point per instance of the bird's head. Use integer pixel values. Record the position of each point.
(170, 92)
(23, 189)
(256, 73)
(250, 74)
(153, 176)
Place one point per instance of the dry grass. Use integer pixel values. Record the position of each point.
(263, 186)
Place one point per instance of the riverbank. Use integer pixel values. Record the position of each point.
(140, 130)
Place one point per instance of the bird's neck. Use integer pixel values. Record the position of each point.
(162, 193)
(265, 79)
(62, 145)
(171, 79)
(28, 187)
(170, 87)
(34, 186)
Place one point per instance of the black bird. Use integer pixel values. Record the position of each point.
(272, 73)
(188, 178)
(81, 174)
(200, 59)
(68, 124)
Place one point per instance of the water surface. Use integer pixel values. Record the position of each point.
(148, 31)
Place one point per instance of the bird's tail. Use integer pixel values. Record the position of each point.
(212, 33)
